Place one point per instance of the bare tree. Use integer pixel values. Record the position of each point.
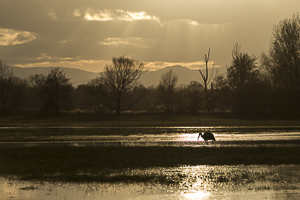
(117, 82)
(282, 65)
(206, 78)
(243, 69)
(11, 89)
(243, 78)
(166, 89)
(54, 90)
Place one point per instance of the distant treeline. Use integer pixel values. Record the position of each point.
(273, 87)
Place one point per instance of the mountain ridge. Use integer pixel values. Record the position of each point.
(185, 75)
(78, 76)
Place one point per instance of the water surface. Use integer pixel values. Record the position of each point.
(185, 182)
(223, 139)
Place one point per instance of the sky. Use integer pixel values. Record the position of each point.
(86, 34)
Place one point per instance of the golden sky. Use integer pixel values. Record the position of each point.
(86, 34)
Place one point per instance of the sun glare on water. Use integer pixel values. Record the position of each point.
(195, 195)
(186, 137)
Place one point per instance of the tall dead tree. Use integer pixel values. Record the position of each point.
(206, 79)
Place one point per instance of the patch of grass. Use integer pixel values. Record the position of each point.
(64, 162)
(79, 134)
(146, 120)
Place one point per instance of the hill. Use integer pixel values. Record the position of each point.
(77, 76)
(185, 75)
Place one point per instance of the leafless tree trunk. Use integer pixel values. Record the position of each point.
(206, 79)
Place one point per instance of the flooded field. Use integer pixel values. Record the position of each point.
(147, 136)
(149, 163)
(186, 182)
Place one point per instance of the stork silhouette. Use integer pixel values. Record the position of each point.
(206, 136)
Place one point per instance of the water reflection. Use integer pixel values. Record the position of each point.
(185, 182)
(147, 136)
(170, 139)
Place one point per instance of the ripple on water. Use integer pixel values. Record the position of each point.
(185, 182)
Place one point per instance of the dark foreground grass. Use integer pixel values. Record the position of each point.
(147, 120)
(76, 163)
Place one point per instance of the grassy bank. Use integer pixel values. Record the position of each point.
(61, 163)
(147, 120)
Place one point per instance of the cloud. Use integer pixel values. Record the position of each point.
(133, 41)
(105, 15)
(77, 13)
(10, 37)
(141, 16)
(114, 15)
(52, 15)
(129, 16)
(45, 57)
(190, 22)
(195, 23)
(77, 63)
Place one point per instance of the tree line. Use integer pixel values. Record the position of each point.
(247, 88)
(115, 90)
